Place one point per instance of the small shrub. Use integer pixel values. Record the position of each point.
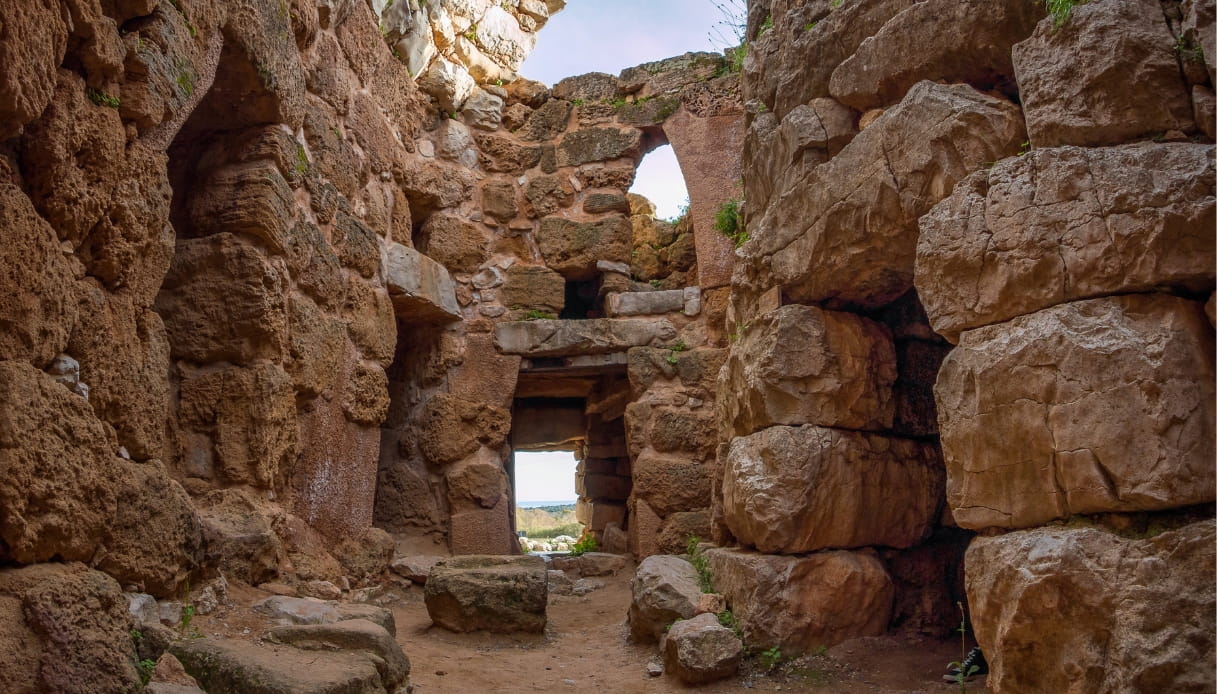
(728, 221)
(1060, 10)
(701, 564)
(770, 658)
(1189, 49)
(586, 544)
(145, 667)
(675, 349)
(535, 314)
(765, 26)
(101, 98)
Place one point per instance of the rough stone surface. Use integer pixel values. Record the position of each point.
(354, 635)
(1091, 406)
(1067, 223)
(573, 248)
(1084, 610)
(664, 589)
(230, 666)
(420, 288)
(66, 629)
(801, 603)
(548, 338)
(700, 650)
(847, 233)
(485, 593)
(791, 490)
(1075, 96)
(803, 365)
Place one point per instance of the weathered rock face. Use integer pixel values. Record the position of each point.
(803, 365)
(792, 490)
(1091, 406)
(847, 230)
(1082, 609)
(701, 650)
(67, 628)
(664, 589)
(483, 593)
(1075, 96)
(1064, 224)
(801, 603)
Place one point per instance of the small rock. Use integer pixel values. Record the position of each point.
(321, 589)
(143, 608)
(711, 603)
(415, 568)
(170, 613)
(654, 668)
(278, 589)
(701, 650)
(169, 670)
(368, 594)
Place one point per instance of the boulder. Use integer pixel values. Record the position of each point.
(799, 489)
(573, 248)
(1087, 407)
(799, 604)
(37, 307)
(59, 467)
(223, 300)
(1080, 609)
(355, 635)
(1076, 96)
(701, 650)
(415, 568)
(563, 338)
(304, 611)
(38, 38)
(421, 289)
(804, 365)
(671, 483)
(846, 232)
(231, 666)
(65, 628)
(1067, 223)
(240, 535)
(664, 589)
(944, 40)
(488, 593)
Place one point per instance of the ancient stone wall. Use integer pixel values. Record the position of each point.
(979, 257)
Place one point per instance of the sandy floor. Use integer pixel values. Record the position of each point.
(584, 649)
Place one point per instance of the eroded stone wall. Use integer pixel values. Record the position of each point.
(971, 185)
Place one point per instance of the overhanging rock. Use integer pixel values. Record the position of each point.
(421, 289)
(560, 338)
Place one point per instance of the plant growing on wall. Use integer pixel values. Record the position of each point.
(730, 223)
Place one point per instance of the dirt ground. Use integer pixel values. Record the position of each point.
(585, 649)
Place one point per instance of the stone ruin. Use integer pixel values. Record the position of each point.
(286, 282)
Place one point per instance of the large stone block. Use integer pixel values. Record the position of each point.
(421, 289)
(457, 244)
(252, 199)
(334, 480)
(485, 593)
(65, 628)
(1091, 406)
(238, 425)
(1067, 223)
(451, 427)
(598, 144)
(665, 588)
(847, 233)
(572, 248)
(38, 36)
(804, 365)
(240, 535)
(534, 288)
(59, 469)
(1074, 95)
(799, 604)
(224, 301)
(1082, 610)
(560, 338)
(36, 280)
(946, 40)
(670, 483)
(794, 490)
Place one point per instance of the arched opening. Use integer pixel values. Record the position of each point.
(660, 180)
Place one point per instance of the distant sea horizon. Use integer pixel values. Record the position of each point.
(537, 504)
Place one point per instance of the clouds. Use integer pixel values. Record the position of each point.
(598, 36)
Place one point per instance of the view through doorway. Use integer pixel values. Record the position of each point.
(545, 499)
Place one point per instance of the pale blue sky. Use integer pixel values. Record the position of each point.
(545, 476)
(599, 36)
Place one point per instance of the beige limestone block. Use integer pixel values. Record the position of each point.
(804, 365)
(1091, 406)
(1067, 223)
(793, 490)
(799, 604)
(1082, 610)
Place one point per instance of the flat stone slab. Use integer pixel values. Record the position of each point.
(420, 288)
(562, 338)
(501, 594)
(687, 301)
(230, 666)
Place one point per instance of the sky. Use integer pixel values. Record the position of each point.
(600, 36)
(547, 476)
